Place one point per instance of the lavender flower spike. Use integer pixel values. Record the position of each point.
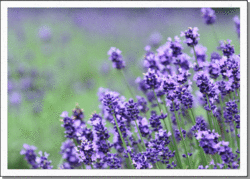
(192, 36)
(42, 161)
(152, 79)
(116, 57)
(237, 25)
(30, 155)
(208, 15)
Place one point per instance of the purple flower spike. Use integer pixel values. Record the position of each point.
(113, 161)
(42, 161)
(237, 25)
(142, 104)
(110, 101)
(227, 48)
(200, 53)
(116, 57)
(214, 70)
(208, 141)
(155, 121)
(151, 61)
(215, 56)
(231, 113)
(208, 15)
(30, 155)
(68, 153)
(132, 109)
(192, 36)
(140, 161)
(176, 47)
(155, 39)
(165, 54)
(45, 33)
(152, 80)
(78, 114)
(101, 135)
(15, 98)
(144, 127)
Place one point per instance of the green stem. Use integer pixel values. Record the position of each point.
(223, 120)
(216, 37)
(182, 122)
(124, 144)
(130, 90)
(169, 123)
(195, 57)
(140, 135)
(157, 101)
(209, 121)
(201, 151)
(213, 119)
(157, 166)
(177, 155)
(60, 163)
(174, 146)
(236, 135)
(166, 110)
(192, 114)
(183, 140)
(232, 142)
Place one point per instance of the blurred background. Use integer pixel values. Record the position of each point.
(57, 57)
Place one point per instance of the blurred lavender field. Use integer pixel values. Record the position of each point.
(58, 57)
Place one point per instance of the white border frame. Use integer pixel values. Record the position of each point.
(196, 4)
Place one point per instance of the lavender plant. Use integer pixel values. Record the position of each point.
(160, 129)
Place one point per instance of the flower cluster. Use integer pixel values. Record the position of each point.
(208, 141)
(69, 154)
(43, 162)
(32, 158)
